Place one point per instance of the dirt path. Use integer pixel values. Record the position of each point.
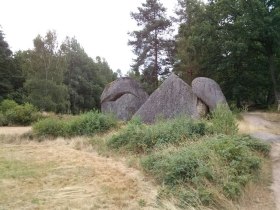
(53, 175)
(266, 126)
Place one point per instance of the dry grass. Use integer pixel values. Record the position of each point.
(258, 195)
(81, 173)
(69, 174)
(69, 178)
(14, 130)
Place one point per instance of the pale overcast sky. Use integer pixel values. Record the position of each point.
(100, 26)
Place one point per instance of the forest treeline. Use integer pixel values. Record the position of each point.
(54, 77)
(235, 42)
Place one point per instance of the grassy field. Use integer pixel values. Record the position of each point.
(55, 175)
(85, 173)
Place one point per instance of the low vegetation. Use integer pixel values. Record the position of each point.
(140, 138)
(12, 113)
(88, 123)
(208, 171)
(199, 163)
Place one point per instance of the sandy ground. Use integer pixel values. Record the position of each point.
(65, 178)
(266, 126)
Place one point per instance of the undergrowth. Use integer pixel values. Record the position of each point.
(12, 113)
(198, 163)
(88, 124)
(210, 169)
(140, 138)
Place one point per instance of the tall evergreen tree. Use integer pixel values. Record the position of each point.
(151, 43)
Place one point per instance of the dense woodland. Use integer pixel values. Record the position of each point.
(54, 77)
(235, 42)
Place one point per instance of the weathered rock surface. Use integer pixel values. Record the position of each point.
(123, 97)
(173, 98)
(208, 91)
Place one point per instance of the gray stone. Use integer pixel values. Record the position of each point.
(123, 97)
(173, 98)
(208, 91)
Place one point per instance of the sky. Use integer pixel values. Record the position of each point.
(100, 26)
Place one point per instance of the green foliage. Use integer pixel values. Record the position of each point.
(23, 114)
(139, 137)
(235, 42)
(225, 163)
(84, 90)
(151, 43)
(13, 114)
(11, 77)
(44, 67)
(89, 123)
(3, 119)
(223, 120)
(6, 105)
(50, 127)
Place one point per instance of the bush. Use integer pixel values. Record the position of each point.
(226, 163)
(13, 114)
(22, 114)
(91, 123)
(86, 124)
(50, 127)
(139, 138)
(224, 121)
(3, 120)
(7, 105)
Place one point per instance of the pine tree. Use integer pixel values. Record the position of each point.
(151, 43)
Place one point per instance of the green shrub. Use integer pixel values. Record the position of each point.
(50, 127)
(226, 163)
(138, 137)
(223, 121)
(22, 114)
(89, 123)
(13, 114)
(3, 120)
(7, 105)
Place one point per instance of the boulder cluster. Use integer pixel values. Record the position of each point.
(125, 98)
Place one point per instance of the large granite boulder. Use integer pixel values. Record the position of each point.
(123, 97)
(173, 98)
(208, 91)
